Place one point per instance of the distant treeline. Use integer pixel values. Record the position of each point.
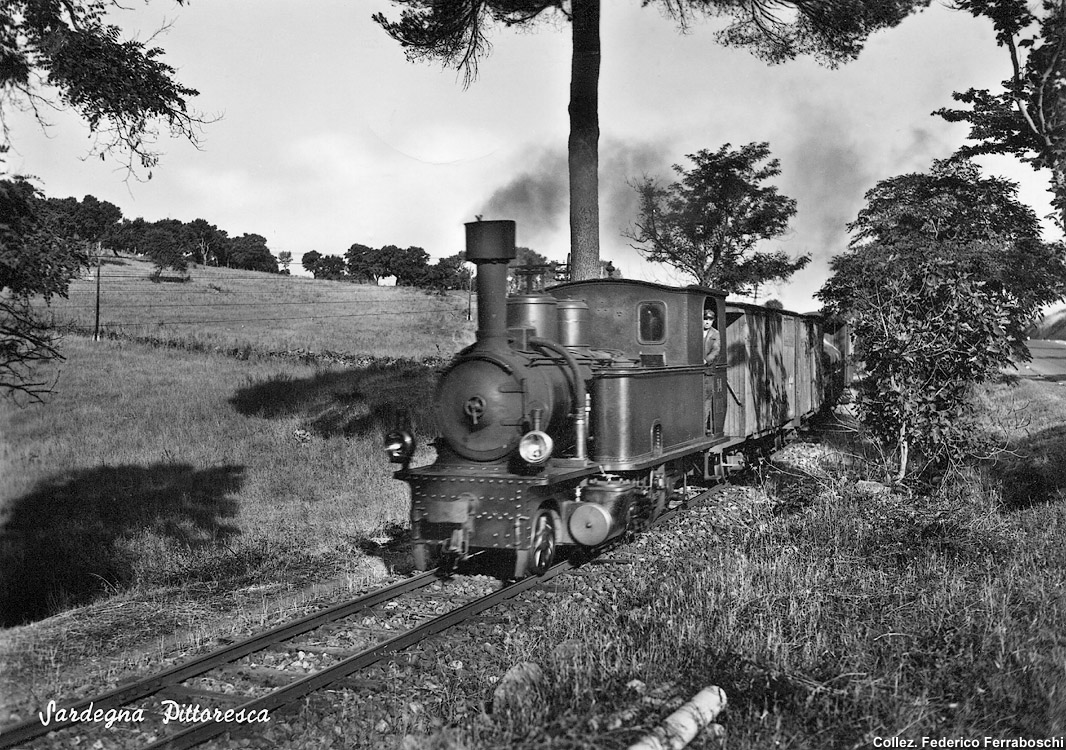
(411, 267)
(169, 243)
(173, 244)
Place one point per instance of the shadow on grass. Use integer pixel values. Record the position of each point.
(62, 544)
(366, 401)
(1036, 475)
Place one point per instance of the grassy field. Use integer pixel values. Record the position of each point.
(170, 462)
(159, 486)
(222, 308)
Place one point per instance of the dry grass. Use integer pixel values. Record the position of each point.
(158, 483)
(157, 479)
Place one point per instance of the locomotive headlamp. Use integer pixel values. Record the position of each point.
(535, 447)
(400, 445)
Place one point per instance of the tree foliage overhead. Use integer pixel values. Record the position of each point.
(64, 54)
(943, 272)
(709, 222)
(456, 34)
(35, 261)
(1026, 119)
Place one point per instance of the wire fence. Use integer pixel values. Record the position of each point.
(88, 300)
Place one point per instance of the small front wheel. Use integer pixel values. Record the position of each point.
(542, 548)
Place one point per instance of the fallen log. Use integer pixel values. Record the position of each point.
(682, 726)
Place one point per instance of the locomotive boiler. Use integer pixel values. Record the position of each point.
(580, 412)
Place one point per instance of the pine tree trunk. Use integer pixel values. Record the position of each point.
(584, 141)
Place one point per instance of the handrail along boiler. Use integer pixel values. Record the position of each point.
(579, 412)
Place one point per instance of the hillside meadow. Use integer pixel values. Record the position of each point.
(240, 450)
(222, 308)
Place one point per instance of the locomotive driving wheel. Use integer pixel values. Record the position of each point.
(542, 547)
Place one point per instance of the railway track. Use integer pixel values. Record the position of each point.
(181, 685)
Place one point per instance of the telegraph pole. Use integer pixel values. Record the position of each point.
(96, 327)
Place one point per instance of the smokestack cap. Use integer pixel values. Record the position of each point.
(490, 241)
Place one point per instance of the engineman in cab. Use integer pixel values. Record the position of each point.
(712, 346)
(712, 342)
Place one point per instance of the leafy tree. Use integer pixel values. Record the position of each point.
(329, 267)
(708, 223)
(66, 54)
(250, 252)
(1026, 119)
(926, 331)
(942, 273)
(89, 220)
(456, 34)
(96, 218)
(34, 262)
(285, 260)
(60, 215)
(447, 273)
(86, 223)
(366, 263)
(408, 265)
(127, 236)
(207, 242)
(165, 243)
(993, 233)
(457, 269)
(310, 261)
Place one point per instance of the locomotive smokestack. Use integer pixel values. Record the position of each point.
(489, 246)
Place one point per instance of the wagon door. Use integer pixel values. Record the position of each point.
(761, 368)
(715, 373)
(788, 399)
(739, 417)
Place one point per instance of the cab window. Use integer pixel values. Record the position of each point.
(651, 317)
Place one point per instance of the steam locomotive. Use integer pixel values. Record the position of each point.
(581, 412)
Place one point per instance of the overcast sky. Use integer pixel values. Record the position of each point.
(328, 136)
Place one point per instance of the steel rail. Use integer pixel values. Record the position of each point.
(194, 735)
(31, 729)
(199, 733)
(283, 696)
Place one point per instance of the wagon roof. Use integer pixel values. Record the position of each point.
(692, 289)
